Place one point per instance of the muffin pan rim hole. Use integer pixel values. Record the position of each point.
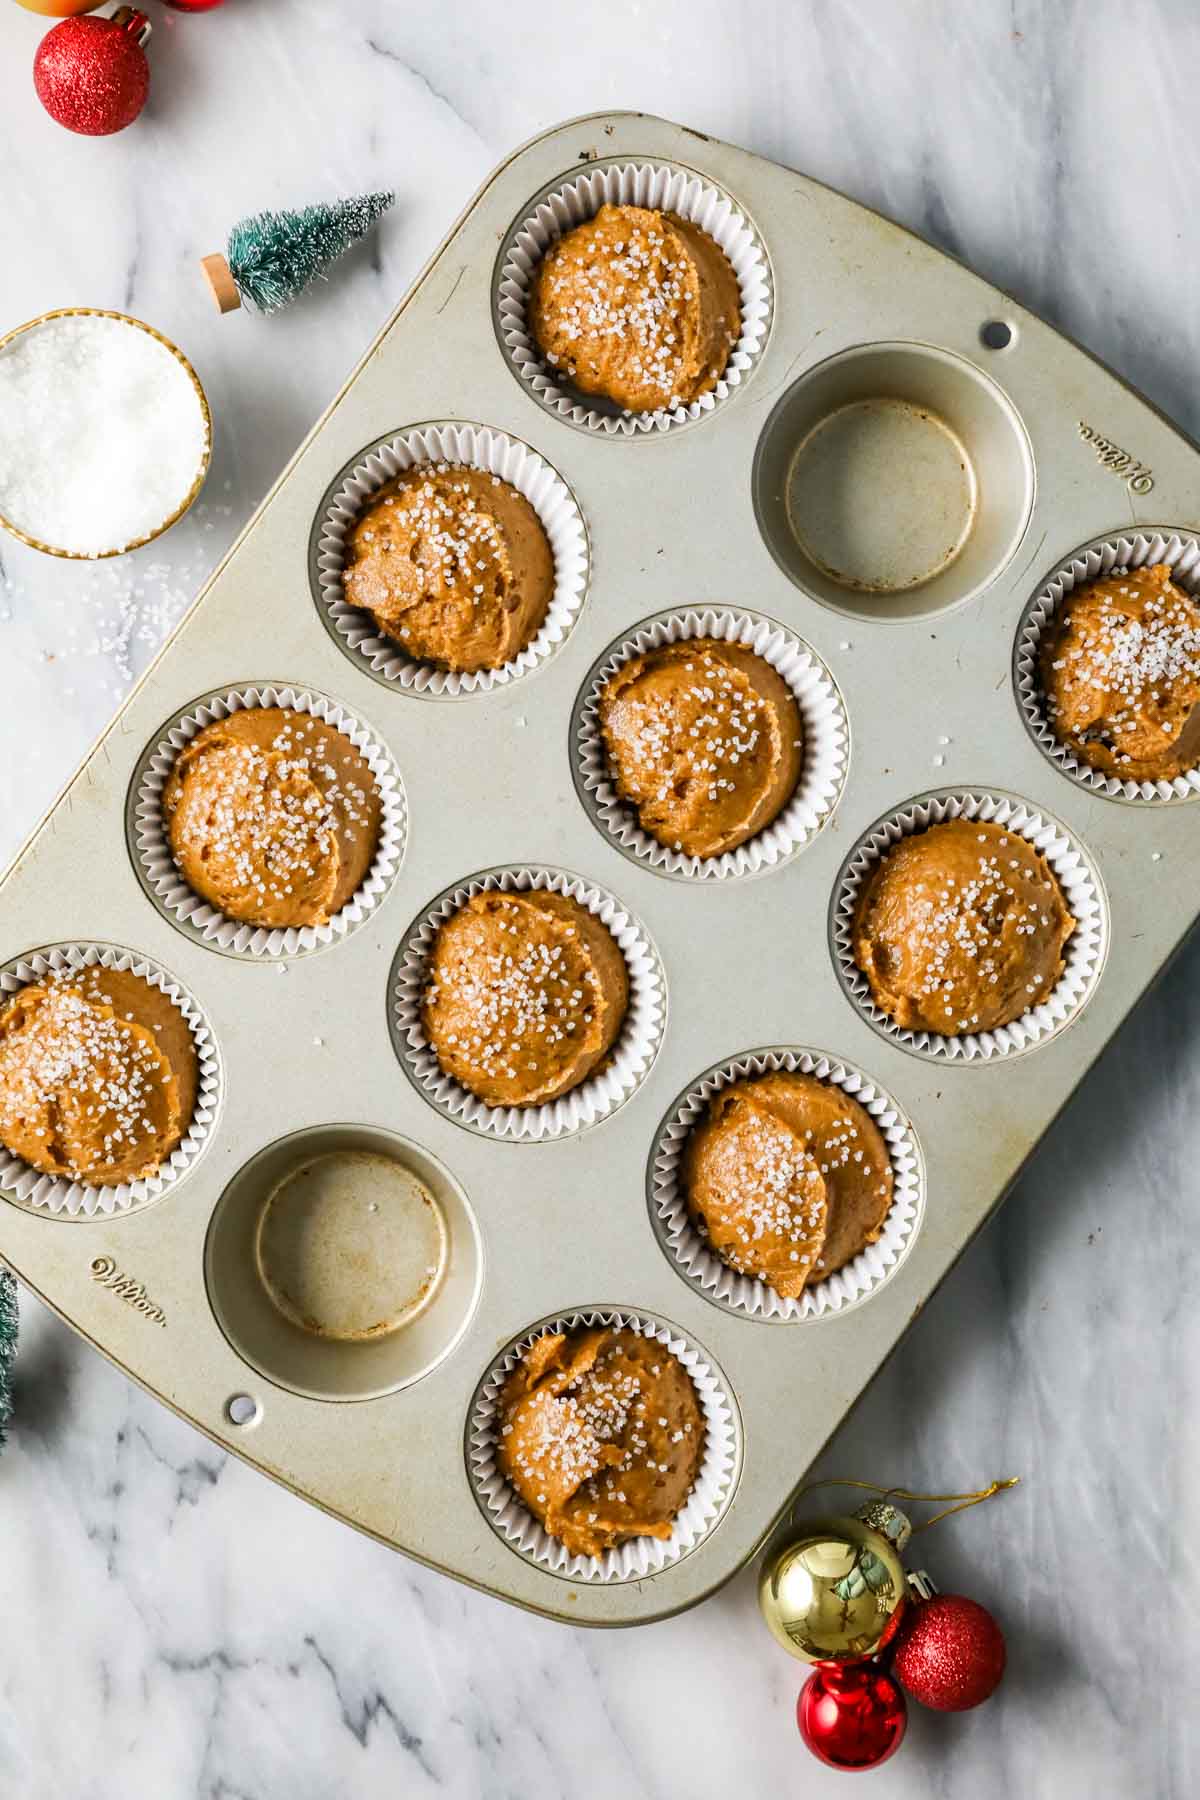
(649, 990)
(476, 1435)
(18, 1179)
(998, 334)
(382, 875)
(369, 651)
(1026, 682)
(905, 1156)
(235, 1411)
(580, 411)
(616, 819)
(971, 1050)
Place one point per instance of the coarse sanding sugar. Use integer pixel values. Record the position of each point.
(101, 434)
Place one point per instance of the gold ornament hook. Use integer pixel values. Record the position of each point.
(962, 1501)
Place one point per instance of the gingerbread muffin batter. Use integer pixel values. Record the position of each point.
(453, 564)
(527, 994)
(1121, 673)
(601, 1437)
(961, 928)
(637, 305)
(789, 1178)
(98, 1076)
(273, 817)
(704, 739)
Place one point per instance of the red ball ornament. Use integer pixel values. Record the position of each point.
(91, 74)
(951, 1653)
(851, 1715)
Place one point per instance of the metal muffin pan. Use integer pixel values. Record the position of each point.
(874, 403)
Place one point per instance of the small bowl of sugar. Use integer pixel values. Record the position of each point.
(105, 433)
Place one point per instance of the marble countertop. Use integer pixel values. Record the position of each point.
(176, 1626)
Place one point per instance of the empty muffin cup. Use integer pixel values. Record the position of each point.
(684, 1242)
(1083, 954)
(465, 446)
(664, 187)
(711, 1492)
(1095, 561)
(893, 480)
(350, 1245)
(824, 753)
(39, 1192)
(154, 859)
(343, 1262)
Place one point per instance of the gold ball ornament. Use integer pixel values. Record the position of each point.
(60, 9)
(834, 1592)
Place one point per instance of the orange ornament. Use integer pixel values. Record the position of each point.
(60, 9)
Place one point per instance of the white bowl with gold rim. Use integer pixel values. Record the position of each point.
(35, 542)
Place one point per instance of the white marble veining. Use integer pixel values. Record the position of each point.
(175, 1626)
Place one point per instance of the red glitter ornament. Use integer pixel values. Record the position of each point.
(951, 1653)
(91, 74)
(852, 1715)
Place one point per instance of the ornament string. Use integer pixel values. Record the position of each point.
(962, 1501)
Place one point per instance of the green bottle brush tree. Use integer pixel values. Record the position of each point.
(272, 256)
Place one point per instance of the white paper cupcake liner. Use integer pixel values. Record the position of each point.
(669, 189)
(640, 1557)
(629, 1060)
(161, 876)
(825, 730)
(464, 446)
(1083, 953)
(28, 1187)
(1105, 557)
(685, 1242)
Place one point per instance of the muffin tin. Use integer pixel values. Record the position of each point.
(904, 466)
